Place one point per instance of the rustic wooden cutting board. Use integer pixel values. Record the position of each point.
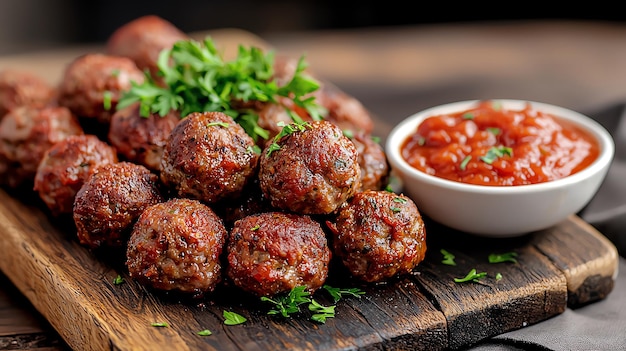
(568, 265)
(565, 266)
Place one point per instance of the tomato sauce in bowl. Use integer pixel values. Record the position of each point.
(491, 145)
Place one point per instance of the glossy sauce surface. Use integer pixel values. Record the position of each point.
(490, 145)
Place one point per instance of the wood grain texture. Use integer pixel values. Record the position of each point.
(72, 287)
(568, 265)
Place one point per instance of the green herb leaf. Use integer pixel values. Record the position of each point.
(498, 276)
(448, 258)
(205, 332)
(504, 257)
(468, 115)
(338, 293)
(286, 130)
(159, 324)
(196, 78)
(494, 130)
(321, 313)
(288, 304)
(232, 318)
(221, 124)
(496, 152)
(118, 280)
(465, 161)
(399, 200)
(472, 276)
(107, 98)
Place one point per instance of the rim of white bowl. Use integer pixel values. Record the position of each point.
(406, 127)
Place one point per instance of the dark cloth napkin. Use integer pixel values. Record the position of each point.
(600, 325)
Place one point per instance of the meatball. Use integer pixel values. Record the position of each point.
(274, 114)
(92, 85)
(65, 167)
(378, 235)
(143, 39)
(343, 109)
(21, 88)
(375, 169)
(141, 139)
(111, 200)
(273, 252)
(251, 201)
(176, 246)
(313, 171)
(26, 133)
(208, 157)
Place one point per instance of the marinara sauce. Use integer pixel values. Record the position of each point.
(491, 145)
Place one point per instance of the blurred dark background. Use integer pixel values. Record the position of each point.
(27, 25)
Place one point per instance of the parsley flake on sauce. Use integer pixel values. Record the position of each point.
(495, 153)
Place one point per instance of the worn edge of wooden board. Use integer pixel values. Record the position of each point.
(39, 259)
(442, 330)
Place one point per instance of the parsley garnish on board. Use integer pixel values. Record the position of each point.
(233, 318)
(503, 257)
(196, 79)
(289, 304)
(472, 276)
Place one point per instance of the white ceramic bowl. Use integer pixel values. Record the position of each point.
(499, 211)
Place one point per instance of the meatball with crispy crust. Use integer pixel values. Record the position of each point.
(312, 170)
(375, 169)
(378, 235)
(66, 166)
(273, 252)
(92, 84)
(143, 39)
(26, 133)
(344, 110)
(141, 139)
(111, 200)
(208, 157)
(176, 246)
(251, 201)
(22, 88)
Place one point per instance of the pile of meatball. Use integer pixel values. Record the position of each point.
(190, 199)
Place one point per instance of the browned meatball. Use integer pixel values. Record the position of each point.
(143, 39)
(26, 133)
(92, 84)
(375, 169)
(65, 167)
(313, 171)
(111, 200)
(378, 235)
(141, 139)
(273, 252)
(176, 246)
(208, 157)
(250, 201)
(344, 110)
(20, 88)
(272, 114)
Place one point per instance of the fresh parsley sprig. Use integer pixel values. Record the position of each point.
(286, 305)
(503, 257)
(289, 304)
(194, 77)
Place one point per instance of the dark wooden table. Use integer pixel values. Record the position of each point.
(397, 71)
